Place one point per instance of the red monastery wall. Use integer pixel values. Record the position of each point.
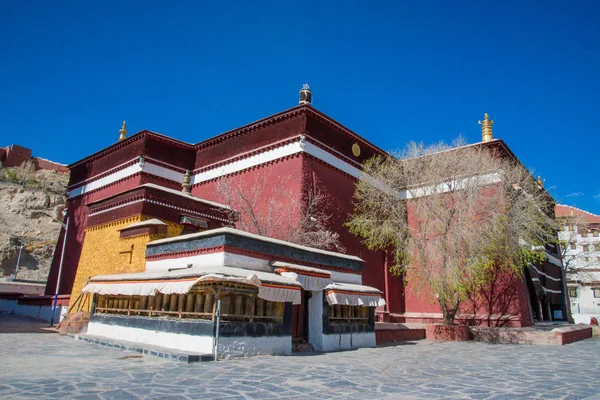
(339, 187)
(246, 139)
(272, 176)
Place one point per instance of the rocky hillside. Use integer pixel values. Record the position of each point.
(27, 200)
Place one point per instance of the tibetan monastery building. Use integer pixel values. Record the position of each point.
(269, 290)
(145, 248)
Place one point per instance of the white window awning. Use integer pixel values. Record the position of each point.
(353, 295)
(312, 279)
(271, 287)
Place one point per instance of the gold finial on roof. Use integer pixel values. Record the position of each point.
(123, 131)
(540, 181)
(486, 128)
(186, 185)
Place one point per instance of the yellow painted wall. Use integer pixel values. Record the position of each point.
(101, 248)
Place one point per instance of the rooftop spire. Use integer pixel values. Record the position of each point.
(123, 131)
(305, 95)
(486, 128)
(186, 185)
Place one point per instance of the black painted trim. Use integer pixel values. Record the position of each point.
(275, 250)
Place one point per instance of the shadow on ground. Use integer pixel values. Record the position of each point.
(10, 323)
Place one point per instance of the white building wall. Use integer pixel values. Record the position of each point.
(348, 341)
(584, 302)
(315, 320)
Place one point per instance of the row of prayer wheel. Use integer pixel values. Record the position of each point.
(234, 306)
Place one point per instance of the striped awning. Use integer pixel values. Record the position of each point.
(353, 295)
(271, 287)
(312, 279)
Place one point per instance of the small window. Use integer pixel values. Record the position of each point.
(584, 233)
(596, 292)
(570, 227)
(586, 247)
(598, 258)
(586, 259)
(597, 246)
(572, 292)
(595, 232)
(573, 246)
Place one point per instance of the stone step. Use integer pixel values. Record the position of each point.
(300, 347)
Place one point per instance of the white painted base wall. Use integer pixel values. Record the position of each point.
(348, 341)
(229, 347)
(175, 341)
(41, 313)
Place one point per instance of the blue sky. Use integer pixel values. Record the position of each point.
(70, 72)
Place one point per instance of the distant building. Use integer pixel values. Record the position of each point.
(580, 240)
(18, 156)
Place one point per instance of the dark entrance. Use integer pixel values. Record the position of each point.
(300, 320)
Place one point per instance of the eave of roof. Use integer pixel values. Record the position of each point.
(220, 231)
(253, 125)
(166, 190)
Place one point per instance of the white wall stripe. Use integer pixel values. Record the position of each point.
(106, 180)
(115, 207)
(252, 161)
(185, 210)
(271, 155)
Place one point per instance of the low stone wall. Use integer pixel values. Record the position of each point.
(455, 333)
(557, 336)
(38, 312)
(391, 333)
(572, 333)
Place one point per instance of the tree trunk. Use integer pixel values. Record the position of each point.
(449, 312)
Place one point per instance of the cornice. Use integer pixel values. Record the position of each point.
(252, 126)
(332, 123)
(247, 154)
(133, 138)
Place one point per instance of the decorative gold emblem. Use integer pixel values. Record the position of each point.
(123, 131)
(356, 150)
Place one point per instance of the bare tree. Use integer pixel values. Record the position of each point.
(280, 214)
(452, 214)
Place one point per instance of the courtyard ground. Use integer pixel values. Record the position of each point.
(36, 364)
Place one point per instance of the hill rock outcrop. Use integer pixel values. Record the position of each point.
(29, 200)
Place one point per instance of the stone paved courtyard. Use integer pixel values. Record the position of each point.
(37, 365)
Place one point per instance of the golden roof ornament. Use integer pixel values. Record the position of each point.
(540, 181)
(305, 95)
(486, 128)
(186, 185)
(123, 131)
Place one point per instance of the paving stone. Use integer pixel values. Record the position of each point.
(79, 370)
